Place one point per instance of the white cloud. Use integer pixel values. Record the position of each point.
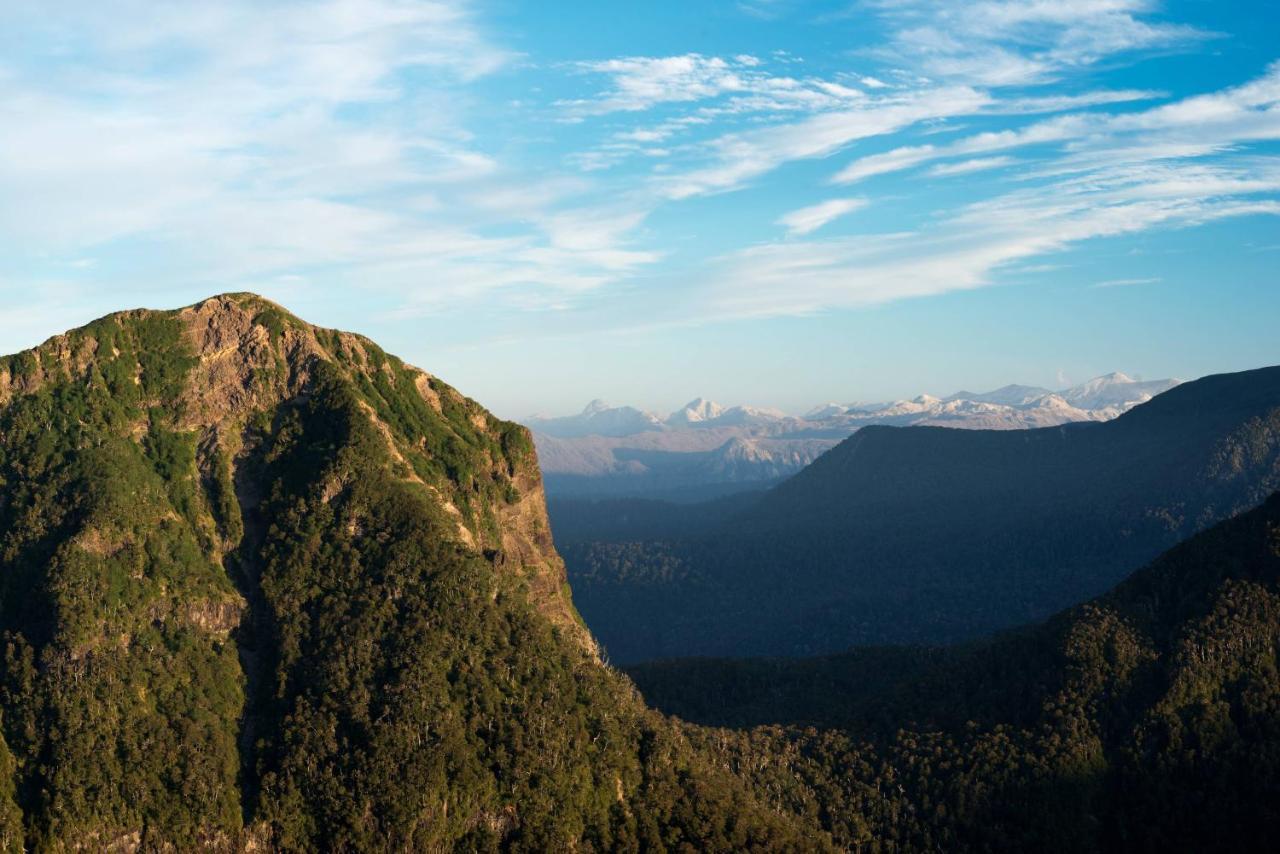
(1125, 283)
(968, 249)
(890, 161)
(235, 143)
(740, 157)
(1190, 127)
(1051, 130)
(960, 46)
(1062, 103)
(640, 82)
(736, 85)
(1016, 42)
(715, 91)
(965, 167)
(806, 220)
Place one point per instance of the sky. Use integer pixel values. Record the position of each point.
(767, 202)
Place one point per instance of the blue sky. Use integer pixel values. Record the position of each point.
(771, 202)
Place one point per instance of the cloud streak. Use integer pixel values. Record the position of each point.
(1001, 43)
(810, 219)
(235, 144)
(968, 167)
(1126, 283)
(970, 248)
(741, 157)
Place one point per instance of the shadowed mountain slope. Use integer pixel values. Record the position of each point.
(928, 534)
(1145, 720)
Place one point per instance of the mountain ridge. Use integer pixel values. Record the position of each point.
(602, 451)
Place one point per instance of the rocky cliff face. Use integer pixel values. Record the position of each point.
(247, 356)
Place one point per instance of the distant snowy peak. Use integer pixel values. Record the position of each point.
(831, 410)
(707, 413)
(827, 410)
(598, 419)
(1057, 403)
(1007, 408)
(739, 415)
(1010, 395)
(1115, 390)
(1010, 407)
(697, 411)
(914, 406)
(627, 450)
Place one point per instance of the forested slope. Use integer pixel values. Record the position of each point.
(262, 585)
(1145, 720)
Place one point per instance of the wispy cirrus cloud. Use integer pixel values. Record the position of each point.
(234, 143)
(743, 83)
(1193, 126)
(740, 157)
(954, 59)
(1062, 103)
(967, 167)
(1011, 43)
(641, 82)
(1127, 283)
(969, 248)
(806, 220)
(1176, 165)
(906, 157)
(958, 56)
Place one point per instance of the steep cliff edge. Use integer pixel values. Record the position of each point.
(243, 356)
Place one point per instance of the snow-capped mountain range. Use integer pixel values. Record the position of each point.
(600, 419)
(625, 450)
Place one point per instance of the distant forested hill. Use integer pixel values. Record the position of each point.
(927, 534)
(1145, 720)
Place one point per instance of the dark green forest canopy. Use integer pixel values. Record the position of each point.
(1146, 719)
